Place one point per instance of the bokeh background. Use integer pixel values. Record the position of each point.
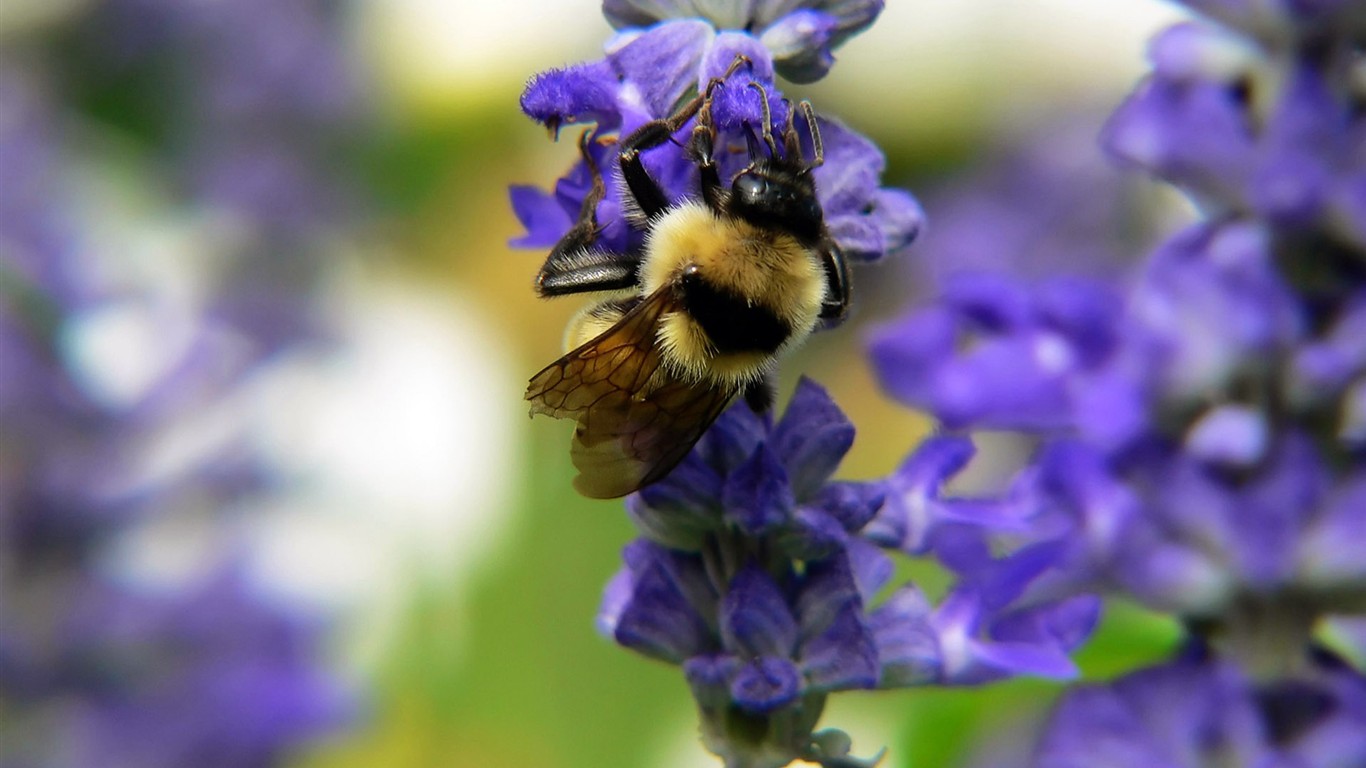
(323, 187)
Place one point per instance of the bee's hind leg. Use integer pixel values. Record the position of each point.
(573, 266)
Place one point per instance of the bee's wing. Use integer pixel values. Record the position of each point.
(636, 422)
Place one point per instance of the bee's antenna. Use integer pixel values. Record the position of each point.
(816, 147)
(768, 120)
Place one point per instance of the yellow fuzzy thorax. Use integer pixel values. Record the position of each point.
(770, 268)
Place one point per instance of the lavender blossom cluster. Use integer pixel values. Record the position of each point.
(139, 290)
(1200, 431)
(764, 580)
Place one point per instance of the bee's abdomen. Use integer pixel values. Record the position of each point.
(733, 323)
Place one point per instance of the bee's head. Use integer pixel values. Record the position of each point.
(777, 190)
(779, 196)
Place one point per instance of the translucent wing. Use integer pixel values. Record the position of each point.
(636, 421)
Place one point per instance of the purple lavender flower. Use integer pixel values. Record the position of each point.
(1194, 713)
(1197, 447)
(212, 675)
(798, 36)
(255, 103)
(1036, 202)
(714, 585)
(754, 575)
(645, 74)
(1031, 345)
(763, 480)
(1212, 120)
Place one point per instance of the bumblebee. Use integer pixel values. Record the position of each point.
(723, 286)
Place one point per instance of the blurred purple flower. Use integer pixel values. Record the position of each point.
(1196, 432)
(1037, 201)
(123, 369)
(800, 36)
(1286, 21)
(213, 675)
(1211, 121)
(1187, 714)
(1032, 348)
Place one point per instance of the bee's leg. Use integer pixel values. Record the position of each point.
(582, 271)
(649, 198)
(701, 150)
(760, 395)
(836, 302)
(571, 267)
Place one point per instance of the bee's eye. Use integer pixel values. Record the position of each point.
(750, 187)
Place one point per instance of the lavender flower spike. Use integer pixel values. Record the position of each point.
(755, 576)
(1198, 440)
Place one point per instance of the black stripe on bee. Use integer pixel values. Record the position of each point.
(733, 323)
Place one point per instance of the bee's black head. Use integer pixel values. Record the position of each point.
(779, 191)
(778, 195)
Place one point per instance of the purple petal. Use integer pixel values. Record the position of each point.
(828, 587)
(1104, 509)
(800, 43)
(755, 619)
(1086, 312)
(1191, 134)
(757, 497)
(616, 596)
(1300, 147)
(993, 660)
(1231, 435)
(575, 94)
(990, 302)
(1330, 551)
(545, 219)
(660, 66)
(871, 566)
(812, 535)
(843, 656)
(912, 508)
(907, 352)
(709, 677)
(853, 505)
(867, 221)
(1176, 714)
(735, 103)
(1323, 369)
(932, 463)
(1211, 302)
(1062, 625)
(811, 438)
(733, 439)
(1094, 726)
(907, 647)
(1191, 51)
(766, 684)
(681, 509)
(657, 620)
